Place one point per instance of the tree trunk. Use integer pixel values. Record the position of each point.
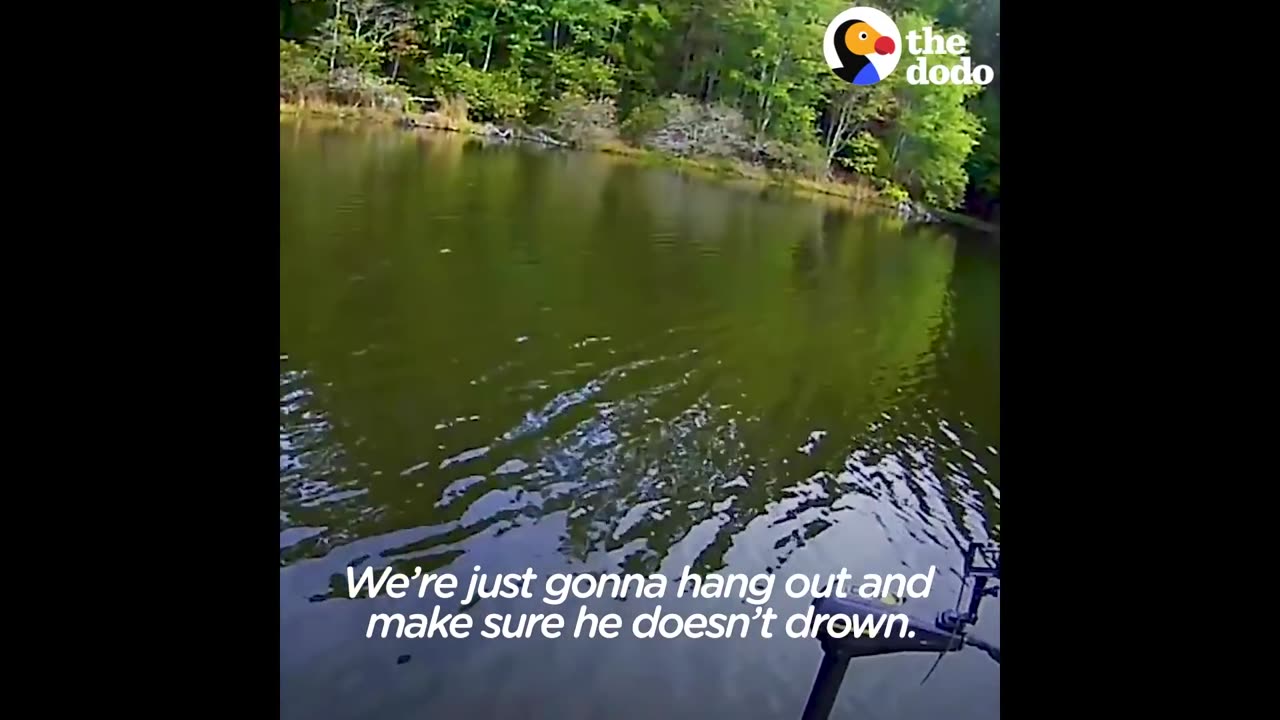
(337, 18)
(713, 75)
(894, 155)
(837, 132)
(488, 51)
(763, 70)
(767, 96)
(684, 63)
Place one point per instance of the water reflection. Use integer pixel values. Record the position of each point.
(615, 368)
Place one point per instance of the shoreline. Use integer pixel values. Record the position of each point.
(719, 169)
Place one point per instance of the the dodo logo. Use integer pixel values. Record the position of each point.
(862, 46)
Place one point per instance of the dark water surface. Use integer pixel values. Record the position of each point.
(513, 358)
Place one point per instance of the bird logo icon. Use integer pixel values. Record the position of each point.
(862, 46)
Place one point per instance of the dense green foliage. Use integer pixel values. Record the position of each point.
(738, 78)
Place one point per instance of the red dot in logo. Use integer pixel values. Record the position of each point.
(884, 45)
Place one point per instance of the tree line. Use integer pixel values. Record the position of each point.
(741, 78)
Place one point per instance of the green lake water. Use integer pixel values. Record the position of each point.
(517, 357)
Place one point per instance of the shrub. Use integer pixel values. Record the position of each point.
(691, 129)
(590, 77)
(583, 122)
(301, 74)
(455, 109)
(891, 191)
(806, 158)
(864, 155)
(493, 96)
(642, 121)
(347, 86)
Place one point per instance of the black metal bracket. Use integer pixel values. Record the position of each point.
(981, 562)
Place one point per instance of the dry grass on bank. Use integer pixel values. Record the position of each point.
(451, 115)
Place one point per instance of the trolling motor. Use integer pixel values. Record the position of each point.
(945, 634)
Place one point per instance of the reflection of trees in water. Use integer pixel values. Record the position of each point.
(814, 372)
(445, 153)
(971, 373)
(663, 447)
(639, 473)
(697, 210)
